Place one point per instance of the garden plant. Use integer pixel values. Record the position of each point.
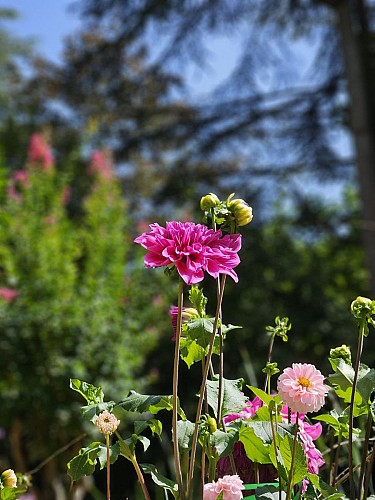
(262, 442)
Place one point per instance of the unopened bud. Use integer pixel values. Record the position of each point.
(240, 209)
(342, 352)
(106, 422)
(189, 313)
(9, 479)
(209, 201)
(362, 306)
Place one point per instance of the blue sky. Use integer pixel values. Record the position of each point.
(46, 21)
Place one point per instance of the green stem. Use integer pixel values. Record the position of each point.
(127, 453)
(336, 461)
(290, 479)
(370, 466)
(176, 453)
(364, 455)
(269, 358)
(221, 365)
(202, 391)
(351, 408)
(108, 467)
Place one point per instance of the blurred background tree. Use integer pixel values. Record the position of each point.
(279, 131)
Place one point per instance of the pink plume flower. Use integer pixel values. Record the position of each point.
(231, 486)
(8, 294)
(40, 152)
(301, 387)
(192, 248)
(101, 164)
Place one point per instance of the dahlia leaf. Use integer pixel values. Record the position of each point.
(185, 431)
(233, 397)
(141, 403)
(223, 442)
(160, 480)
(191, 352)
(114, 452)
(90, 392)
(84, 463)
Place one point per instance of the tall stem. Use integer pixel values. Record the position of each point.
(108, 467)
(221, 365)
(351, 409)
(364, 455)
(176, 453)
(202, 391)
(290, 479)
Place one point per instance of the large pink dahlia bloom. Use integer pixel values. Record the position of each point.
(301, 387)
(192, 248)
(230, 485)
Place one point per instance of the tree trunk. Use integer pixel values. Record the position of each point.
(360, 119)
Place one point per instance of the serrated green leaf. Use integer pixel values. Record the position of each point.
(160, 480)
(141, 403)
(185, 431)
(266, 398)
(90, 392)
(153, 424)
(254, 446)
(88, 412)
(114, 451)
(286, 450)
(200, 330)
(223, 442)
(233, 399)
(84, 463)
(191, 352)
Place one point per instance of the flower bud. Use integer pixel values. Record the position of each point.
(342, 352)
(106, 422)
(240, 209)
(209, 201)
(189, 313)
(362, 306)
(212, 425)
(9, 479)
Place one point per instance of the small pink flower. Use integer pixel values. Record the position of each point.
(192, 248)
(301, 388)
(232, 487)
(40, 152)
(8, 294)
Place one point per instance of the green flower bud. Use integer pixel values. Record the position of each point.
(209, 201)
(240, 209)
(362, 306)
(212, 425)
(9, 479)
(342, 352)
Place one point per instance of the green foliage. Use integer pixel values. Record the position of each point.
(74, 315)
(232, 397)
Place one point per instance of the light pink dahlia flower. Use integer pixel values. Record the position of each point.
(230, 485)
(301, 388)
(192, 248)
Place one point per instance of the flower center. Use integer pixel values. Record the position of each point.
(305, 382)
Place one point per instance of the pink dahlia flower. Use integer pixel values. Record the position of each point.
(301, 388)
(231, 486)
(192, 248)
